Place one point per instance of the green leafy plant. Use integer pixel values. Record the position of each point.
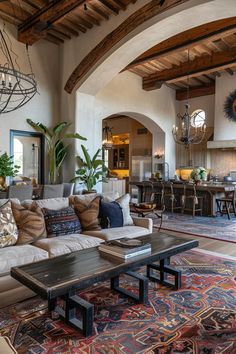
(7, 167)
(198, 174)
(91, 169)
(57, 150)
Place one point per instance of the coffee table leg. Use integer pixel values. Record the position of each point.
(72, 303)
(52, 304)
(164, 269)
(143, 287)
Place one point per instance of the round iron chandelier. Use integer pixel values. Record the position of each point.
(16, 87)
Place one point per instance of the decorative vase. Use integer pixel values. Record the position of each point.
(3, 183)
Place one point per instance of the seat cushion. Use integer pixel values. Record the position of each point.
(18, 255)
(53, 203)
(65, 244)
(118, 232)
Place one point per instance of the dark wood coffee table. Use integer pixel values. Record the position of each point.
(63, 276)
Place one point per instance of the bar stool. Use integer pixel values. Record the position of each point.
(175, 201)
(194, 200)
(225, 204)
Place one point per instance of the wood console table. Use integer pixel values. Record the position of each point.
(210, 191)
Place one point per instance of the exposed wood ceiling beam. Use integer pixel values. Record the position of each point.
(229, 71)
(99, 11)
(197, 67)
(187, 40)
(109, 6)
(120, 4)
(35, 26)
(89, 62)
(195, 92)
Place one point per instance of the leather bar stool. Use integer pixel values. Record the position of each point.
(226, 204)
(192, 202)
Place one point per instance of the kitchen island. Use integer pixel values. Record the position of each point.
(209, 192)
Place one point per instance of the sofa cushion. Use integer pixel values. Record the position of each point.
(87, 211)
(18, 255)
(30, 223)
(8, 228)
(110, 215)
(61, 222)
(117, 232)
(4, 201)
(53, 203)
(124, 201)
(65, 244)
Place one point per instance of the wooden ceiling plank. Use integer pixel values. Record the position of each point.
(202, 65)
(67, 29)
(229, 71)
(9, 18)
(57, 32)
(92, 18)
(33, 3)
(109, 6)
(195, 92)
(99, 11)
(76, 25)
(54, 39)
(25, 6)
(120, 4)
(187, 39)
(81, 20)
(14, 10)
(31, 29)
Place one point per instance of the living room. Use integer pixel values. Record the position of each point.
(95, 62)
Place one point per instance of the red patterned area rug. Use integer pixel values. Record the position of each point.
(198, 318)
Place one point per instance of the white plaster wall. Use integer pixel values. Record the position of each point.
(224, 128)
(124, 95)
(44, 107)
(206, 103)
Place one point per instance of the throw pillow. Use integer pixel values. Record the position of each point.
(111, 215)
(61, 222)
(30, 222)
(87, 211)
(124, 201)
(8, 228)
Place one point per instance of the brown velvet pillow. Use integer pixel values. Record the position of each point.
(87, 212)
(30, 222)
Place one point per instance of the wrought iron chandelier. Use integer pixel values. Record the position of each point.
(185, 133)
(107, 142)
(16, 87)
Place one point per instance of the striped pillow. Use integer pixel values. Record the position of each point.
(30, 223)
(87, 211)
(61, 222)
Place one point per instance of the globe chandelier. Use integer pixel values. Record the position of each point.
(16, 87)
(186, 132)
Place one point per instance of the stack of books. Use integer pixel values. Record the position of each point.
(125, 248)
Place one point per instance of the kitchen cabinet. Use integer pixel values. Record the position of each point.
(114, 185)
(119, 157)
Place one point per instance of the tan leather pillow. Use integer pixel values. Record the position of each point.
(30, 222)
(87, 212)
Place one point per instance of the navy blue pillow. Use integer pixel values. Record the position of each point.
(111, 215)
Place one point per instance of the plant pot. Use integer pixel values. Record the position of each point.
(3, 182)
(85, 191)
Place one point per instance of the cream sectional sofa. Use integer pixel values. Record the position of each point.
(12, 291)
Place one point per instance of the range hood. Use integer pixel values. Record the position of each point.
(222, 144)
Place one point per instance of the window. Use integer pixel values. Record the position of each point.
(18, 155)
(198, 118)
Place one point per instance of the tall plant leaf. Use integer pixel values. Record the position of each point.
(60, 127)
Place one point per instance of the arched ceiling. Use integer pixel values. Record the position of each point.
(110, 57)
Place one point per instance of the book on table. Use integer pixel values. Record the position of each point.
(125, 248)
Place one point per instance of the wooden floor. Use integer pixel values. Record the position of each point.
(226, 248)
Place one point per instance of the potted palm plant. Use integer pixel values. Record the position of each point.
(91, 170)
(56, 148)
(7, 169)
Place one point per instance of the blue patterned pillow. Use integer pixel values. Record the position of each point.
(111, 215)
(61, 222)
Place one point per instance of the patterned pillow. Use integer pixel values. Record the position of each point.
(87, 211)
(30, 222)
(8, 228)
(110, 215)
(61, 222)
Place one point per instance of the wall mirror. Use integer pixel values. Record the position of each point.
(27, 149)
